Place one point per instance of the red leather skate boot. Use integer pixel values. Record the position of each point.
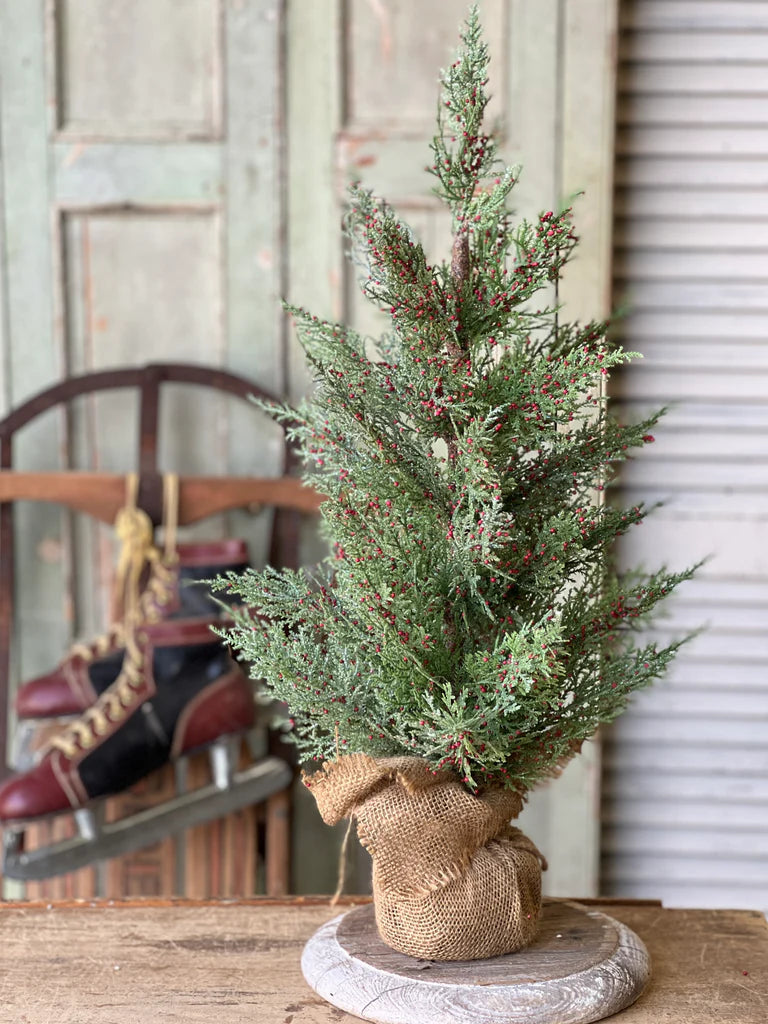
(89, 668)
(178, 690)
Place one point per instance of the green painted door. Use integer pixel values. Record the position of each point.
(361, 97)
(142, 220)
(170, 167)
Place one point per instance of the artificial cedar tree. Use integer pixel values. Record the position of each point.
(468, 613)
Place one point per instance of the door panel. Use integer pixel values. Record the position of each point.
(143, 221)
(137, 68)
(156, 204)
(692, 262)
(373, 110)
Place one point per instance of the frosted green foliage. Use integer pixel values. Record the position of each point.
(467, 613)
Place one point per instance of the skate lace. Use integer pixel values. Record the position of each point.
(138, 553)
(112, 706)
(99, 646)
(139, 608)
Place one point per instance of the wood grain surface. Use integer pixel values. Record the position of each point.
(569, 940)
(583, 966)
(102, 495)
(235, 962)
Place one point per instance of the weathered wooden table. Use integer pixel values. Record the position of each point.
(225, 962)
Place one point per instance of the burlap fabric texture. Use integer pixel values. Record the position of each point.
(452, 880)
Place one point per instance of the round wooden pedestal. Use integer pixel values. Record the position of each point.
(582, 967)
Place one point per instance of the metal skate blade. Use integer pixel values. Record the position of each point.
(250, 786)
(181, 774)
(224, 754)
(87, 823)
(13, 841)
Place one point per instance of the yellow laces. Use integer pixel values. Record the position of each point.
(109, 708)
(135, 529)
(138, 605)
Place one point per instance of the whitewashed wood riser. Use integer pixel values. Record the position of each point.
(356, 972)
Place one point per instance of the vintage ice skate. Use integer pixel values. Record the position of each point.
(151, 585)
(155, 689)
(100, 496)
(177, 692)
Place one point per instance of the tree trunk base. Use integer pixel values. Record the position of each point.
(583, 966)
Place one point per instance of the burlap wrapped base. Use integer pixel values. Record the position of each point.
(452, 880)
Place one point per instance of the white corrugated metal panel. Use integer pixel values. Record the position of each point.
(685, 806)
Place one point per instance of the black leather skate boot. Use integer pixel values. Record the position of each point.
(177, 690)
(89, 668)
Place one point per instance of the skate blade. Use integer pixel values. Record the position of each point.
(250, 786)
(224, 755)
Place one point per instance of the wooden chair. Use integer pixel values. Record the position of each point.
(101, 495)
